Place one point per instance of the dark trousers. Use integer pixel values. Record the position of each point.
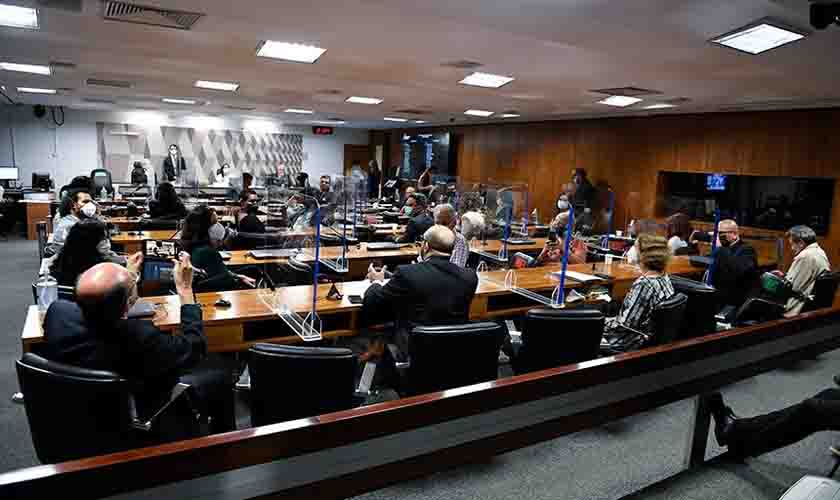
(212, 382)
(757, 435)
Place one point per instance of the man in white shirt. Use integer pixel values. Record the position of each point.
(809, 261)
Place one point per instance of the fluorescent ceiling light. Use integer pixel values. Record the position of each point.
(299, 111)
(478, 112)
(30, 90)
(510, 115)
(419, 121)
(364, 100)
(290, 51)
(661, 105)
(226, 86)
(389, 119)
(18, 17)
(26, 68)
(178, 101)
(759, 38)
(329, 122)
(486, 80)
(620, 101)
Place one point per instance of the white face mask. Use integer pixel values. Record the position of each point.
(562, 205)
(217, 232)
(89, 209)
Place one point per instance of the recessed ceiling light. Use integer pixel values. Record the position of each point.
(390, 119)
(37, 69)
(329, 122)
(178, 101)
(510, 115)
(30, 90)
(478, 112)
(295, 52)
(758, 38)
(226, 86)
(486, 80)
(364, 100)
(18, 17)
(299, 111)
(661, 105)
(419, 122)
(620, 101)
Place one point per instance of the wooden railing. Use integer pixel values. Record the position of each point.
(355, 451)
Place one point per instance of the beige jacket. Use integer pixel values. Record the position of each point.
(803, 272)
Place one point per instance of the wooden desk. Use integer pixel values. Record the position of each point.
(125, 223)
(494, 246)
(36, 211)
(132, 243)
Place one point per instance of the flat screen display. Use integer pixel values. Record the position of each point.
(8, 173)
(422, 150)
(716, 182)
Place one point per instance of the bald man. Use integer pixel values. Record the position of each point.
(445, 216)
(735, 266)
(95, 333)
(432, 292)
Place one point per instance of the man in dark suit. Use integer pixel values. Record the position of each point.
(431, 292)
(734, 267)
(173, 164)
(247, 217)
(420, 219)
(95, 333)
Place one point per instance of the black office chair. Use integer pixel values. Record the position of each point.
(290, 382)
(101, 178)
(756, 310)
(64, 293)
(445, 357)
(669, 319)
(701, 308)
(75, 412)
(825, 288)
(556, 337)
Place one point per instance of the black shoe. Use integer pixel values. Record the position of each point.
(724, 419)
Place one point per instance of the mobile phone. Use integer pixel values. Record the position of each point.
(355, 299)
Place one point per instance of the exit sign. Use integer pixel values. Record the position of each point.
(322, 130)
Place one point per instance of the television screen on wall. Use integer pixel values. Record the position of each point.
(767, 202)
(424, 149)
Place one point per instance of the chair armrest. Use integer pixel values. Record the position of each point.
(146, 424)
(366, 381)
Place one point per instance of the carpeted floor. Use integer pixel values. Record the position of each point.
(605, 463)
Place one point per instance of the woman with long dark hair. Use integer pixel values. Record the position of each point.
(201, 237)
(82, 250)
(168, 205)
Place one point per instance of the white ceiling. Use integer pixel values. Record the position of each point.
(394, 49)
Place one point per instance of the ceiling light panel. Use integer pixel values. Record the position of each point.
(178, 101)
(419, 122)
(364, 100)
(295, 52)
(661, 105)
(32, 90)
(621, 101)
(18, 17)
(478, 112)
(758, 38)
(26, 68)
(486, 80)
(510, 115)
(299, 111)
(392, 119)
(226, 86)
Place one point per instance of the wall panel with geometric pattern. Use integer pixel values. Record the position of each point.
(258, 153)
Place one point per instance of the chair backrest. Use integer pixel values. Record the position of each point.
(41, 234)
(701, 308)
(668, 319)
(64, 293)
(100, 178)
(289, 382)
(73, 412)
(556, 337)
(825, 288)
(444, 357)
(756, 310)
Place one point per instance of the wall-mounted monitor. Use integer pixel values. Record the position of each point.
(715, 182)
(426, 149)
(9, 173)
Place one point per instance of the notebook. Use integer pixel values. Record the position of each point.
(582, 277)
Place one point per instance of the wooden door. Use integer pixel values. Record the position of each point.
(355, 154)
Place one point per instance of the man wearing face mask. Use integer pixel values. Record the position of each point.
(809, 261)
(433, 291)
(420, 219)
(247, 218)
(95, 333)
(734, 267)
(74, 207)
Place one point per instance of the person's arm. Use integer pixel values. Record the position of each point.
(384, 300)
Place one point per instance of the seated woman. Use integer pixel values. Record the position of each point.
(201, 237)
(679, 231)
(87, 245)
(167, 205)
(552, 253)
(650, 289)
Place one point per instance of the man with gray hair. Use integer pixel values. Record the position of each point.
(809, 261)
(445, 216)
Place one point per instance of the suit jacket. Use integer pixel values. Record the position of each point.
(735, 272)
(434, 292)
(169, 170)
(134, 348)
(416, 227)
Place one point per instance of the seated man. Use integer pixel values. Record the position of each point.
(432, 292)
(420, 220)
(76, 205)
(247, 217)
(809, 261)
(325, 196)
(735, 267)
(749, 437)
(95, 333)
(445, 216)
(409, 192)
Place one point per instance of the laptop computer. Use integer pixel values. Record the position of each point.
(274, 253)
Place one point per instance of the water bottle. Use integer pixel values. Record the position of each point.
(47, 292)
(535, 216)
(103, 194)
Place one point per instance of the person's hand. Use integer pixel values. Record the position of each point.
(374, 275)
(133, 263)
(183, 277)
(247, 280)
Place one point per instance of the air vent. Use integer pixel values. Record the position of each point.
(120, 84)
(330, 92)
(142, 14)
(97, 100)
(62, 66)
(240, 108)
(69, 5)
(410, 111)
(462, 64)
(626, 91)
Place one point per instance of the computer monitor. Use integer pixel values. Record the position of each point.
(41, 181)
(9, 173)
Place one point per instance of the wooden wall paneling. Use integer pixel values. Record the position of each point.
(767, 145)
(691, 143)
(726, 140)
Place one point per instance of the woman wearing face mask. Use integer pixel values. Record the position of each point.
(174, 163)
(201, 237)
(87, 245)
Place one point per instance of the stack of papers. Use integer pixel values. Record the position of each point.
(581, 277)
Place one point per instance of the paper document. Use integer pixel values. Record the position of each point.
(582, 277)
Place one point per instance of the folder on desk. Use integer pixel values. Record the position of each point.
(581, 277)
